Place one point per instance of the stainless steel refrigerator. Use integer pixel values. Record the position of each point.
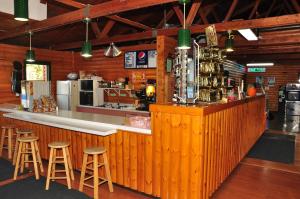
(67, 95)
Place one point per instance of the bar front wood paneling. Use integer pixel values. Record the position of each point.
(190, 153)
(200, 146)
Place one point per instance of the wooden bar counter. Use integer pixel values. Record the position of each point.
(189, 154)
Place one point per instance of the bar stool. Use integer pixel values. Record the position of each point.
(65, 159)
(9, 129)
(95, 152)
(20, 133)
(28, 146)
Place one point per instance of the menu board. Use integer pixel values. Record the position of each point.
(140, 59)
(37, 71)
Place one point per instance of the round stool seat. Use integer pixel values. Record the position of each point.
(95, 150)
(58, 144)
(28, 139)
(23, 131)
(8, 126)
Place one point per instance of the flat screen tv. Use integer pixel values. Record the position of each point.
(39, 70)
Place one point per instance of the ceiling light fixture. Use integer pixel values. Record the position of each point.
(248, 34)
(229, 42)
(30, 54)
(21, 10)
(261, 64)
(86, 50)
(112, 51)
(184, 35)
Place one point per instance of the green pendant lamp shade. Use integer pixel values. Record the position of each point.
(229, 43)
(184, 39)
(21, 10)
(30, 56)
(184, 34)
(184, 1)
(86, 50)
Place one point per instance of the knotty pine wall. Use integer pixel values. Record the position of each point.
(62, 63)
(284, 73)
(113, 68)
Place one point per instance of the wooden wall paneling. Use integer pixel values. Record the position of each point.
(148, 163)
(284, 72)
(113, 68)
(185, 156)
(61, 64)
(119, 157)
(133, 161)
(175, 156)
(126, 154)
(166, 155)
(165, 48)
(157, 152)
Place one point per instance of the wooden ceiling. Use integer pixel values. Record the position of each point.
(129, 22)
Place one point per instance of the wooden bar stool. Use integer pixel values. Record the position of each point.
(28, 146)
(65, 159)
(20, 133)
(9, 129)
(95, 152)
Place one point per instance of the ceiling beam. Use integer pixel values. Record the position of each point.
(71, 3)
(257, 2)
(129, 22)
(168, 16)
(289, 7)
(179, 14)
(113, 17)
(243, 9)
(284, 20)
(96, 29)
(270, 8)
(99, 10)
(108, 26)
(192, 14)
(296, 5)
(203, 17)
(231, 9)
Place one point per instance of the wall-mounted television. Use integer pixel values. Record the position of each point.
(39, 70)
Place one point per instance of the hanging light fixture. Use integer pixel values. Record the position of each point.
(21, 10)
(229, 42)
(30, 54)
(112, 51)
(184, 34)
(86, 50)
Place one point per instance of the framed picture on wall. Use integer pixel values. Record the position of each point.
(152, 57)
(130, 58)
(271, 81)
(259, 80)
(140, 59)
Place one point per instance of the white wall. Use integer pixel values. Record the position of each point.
(37, 10)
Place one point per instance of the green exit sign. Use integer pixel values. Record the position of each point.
(256, 70)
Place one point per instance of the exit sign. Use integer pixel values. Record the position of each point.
(256, 70)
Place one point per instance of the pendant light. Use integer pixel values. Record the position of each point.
(112, 51)
(229, 42)
(30, 54)
(86, 50)
(184, 34)
(21, 10)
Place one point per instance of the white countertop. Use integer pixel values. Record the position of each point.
(98, 124)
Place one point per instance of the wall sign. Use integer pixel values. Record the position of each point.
(256, 70)
(140, 59)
